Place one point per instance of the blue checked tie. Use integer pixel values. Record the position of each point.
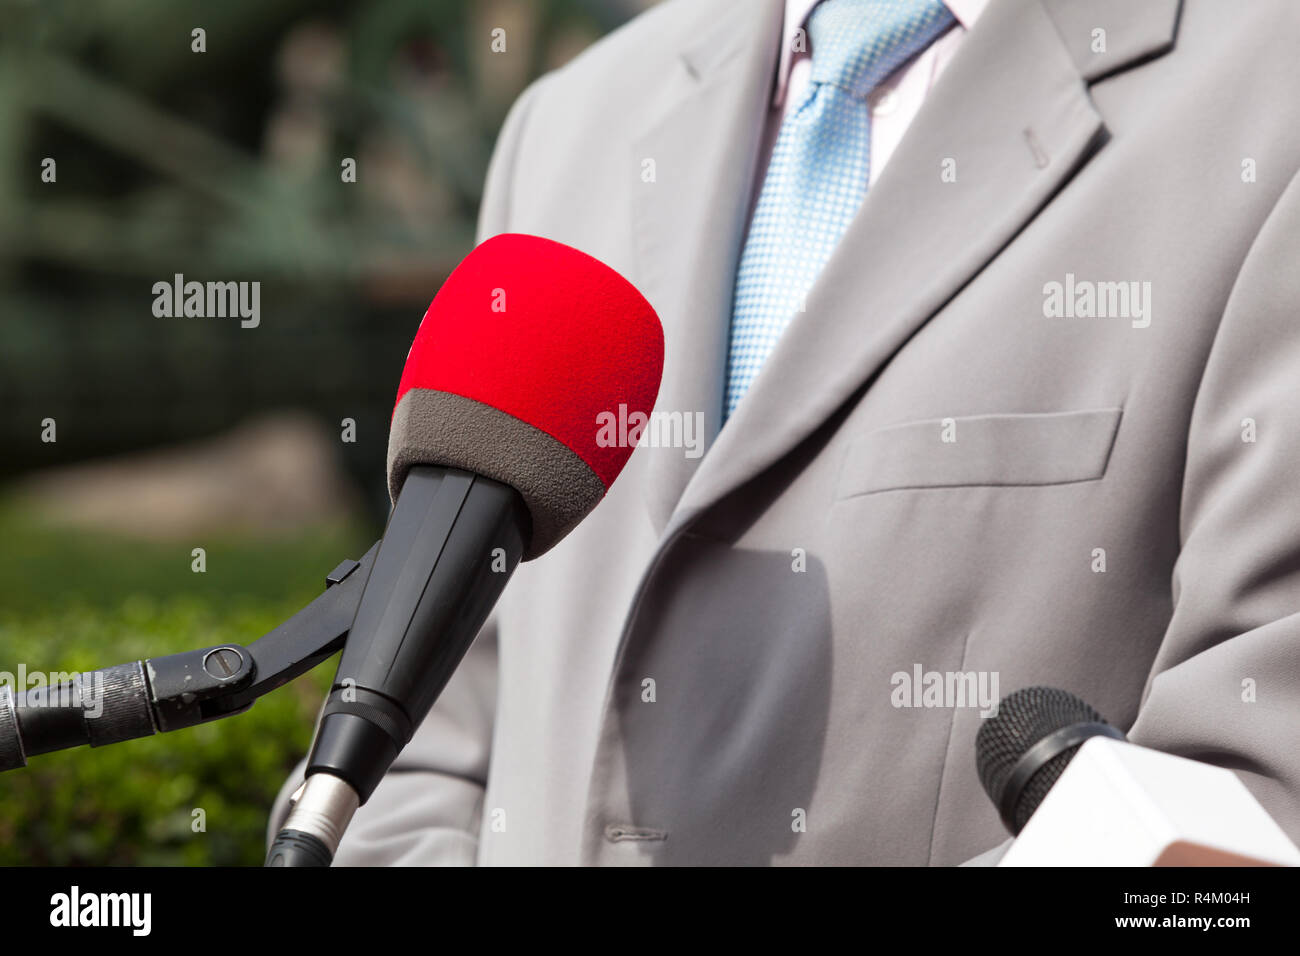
(819, 169)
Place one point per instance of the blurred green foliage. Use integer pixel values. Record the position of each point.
(226, 165)
(78, 602)
(221, 165)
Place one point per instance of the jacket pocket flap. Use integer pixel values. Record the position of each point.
(1022, 449)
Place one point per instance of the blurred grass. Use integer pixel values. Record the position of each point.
(76, 601)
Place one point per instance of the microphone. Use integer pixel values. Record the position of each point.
(1075, 792)
(493, 457)
(1023, 750)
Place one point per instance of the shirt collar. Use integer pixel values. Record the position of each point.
(796, 13)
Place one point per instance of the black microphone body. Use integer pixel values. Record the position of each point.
(453, 541)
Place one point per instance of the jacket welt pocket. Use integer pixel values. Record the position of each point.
(1023, 449)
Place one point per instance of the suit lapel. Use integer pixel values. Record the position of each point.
(1130, 32)
(1013, 112)
(689, 222)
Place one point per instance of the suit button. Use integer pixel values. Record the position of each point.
(619, 832)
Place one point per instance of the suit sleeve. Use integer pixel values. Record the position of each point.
(1225, 685)
(427, 809)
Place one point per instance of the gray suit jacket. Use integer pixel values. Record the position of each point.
(1039, 424)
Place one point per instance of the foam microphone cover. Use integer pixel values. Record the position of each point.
(524, 347)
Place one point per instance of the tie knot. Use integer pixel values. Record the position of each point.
(857, 43)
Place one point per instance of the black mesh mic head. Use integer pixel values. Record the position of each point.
(1005, 750)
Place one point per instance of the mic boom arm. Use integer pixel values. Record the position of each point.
(180, 690)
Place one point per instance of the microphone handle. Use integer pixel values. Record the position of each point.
(452, 542)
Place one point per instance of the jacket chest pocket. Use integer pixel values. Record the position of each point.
(1016, 449)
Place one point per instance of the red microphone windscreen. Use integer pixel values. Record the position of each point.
(526, 345)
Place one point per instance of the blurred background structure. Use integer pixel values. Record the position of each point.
(128, 440)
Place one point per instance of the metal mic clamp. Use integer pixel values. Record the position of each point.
(162, 694)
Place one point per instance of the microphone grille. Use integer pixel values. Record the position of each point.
(1024, 718)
